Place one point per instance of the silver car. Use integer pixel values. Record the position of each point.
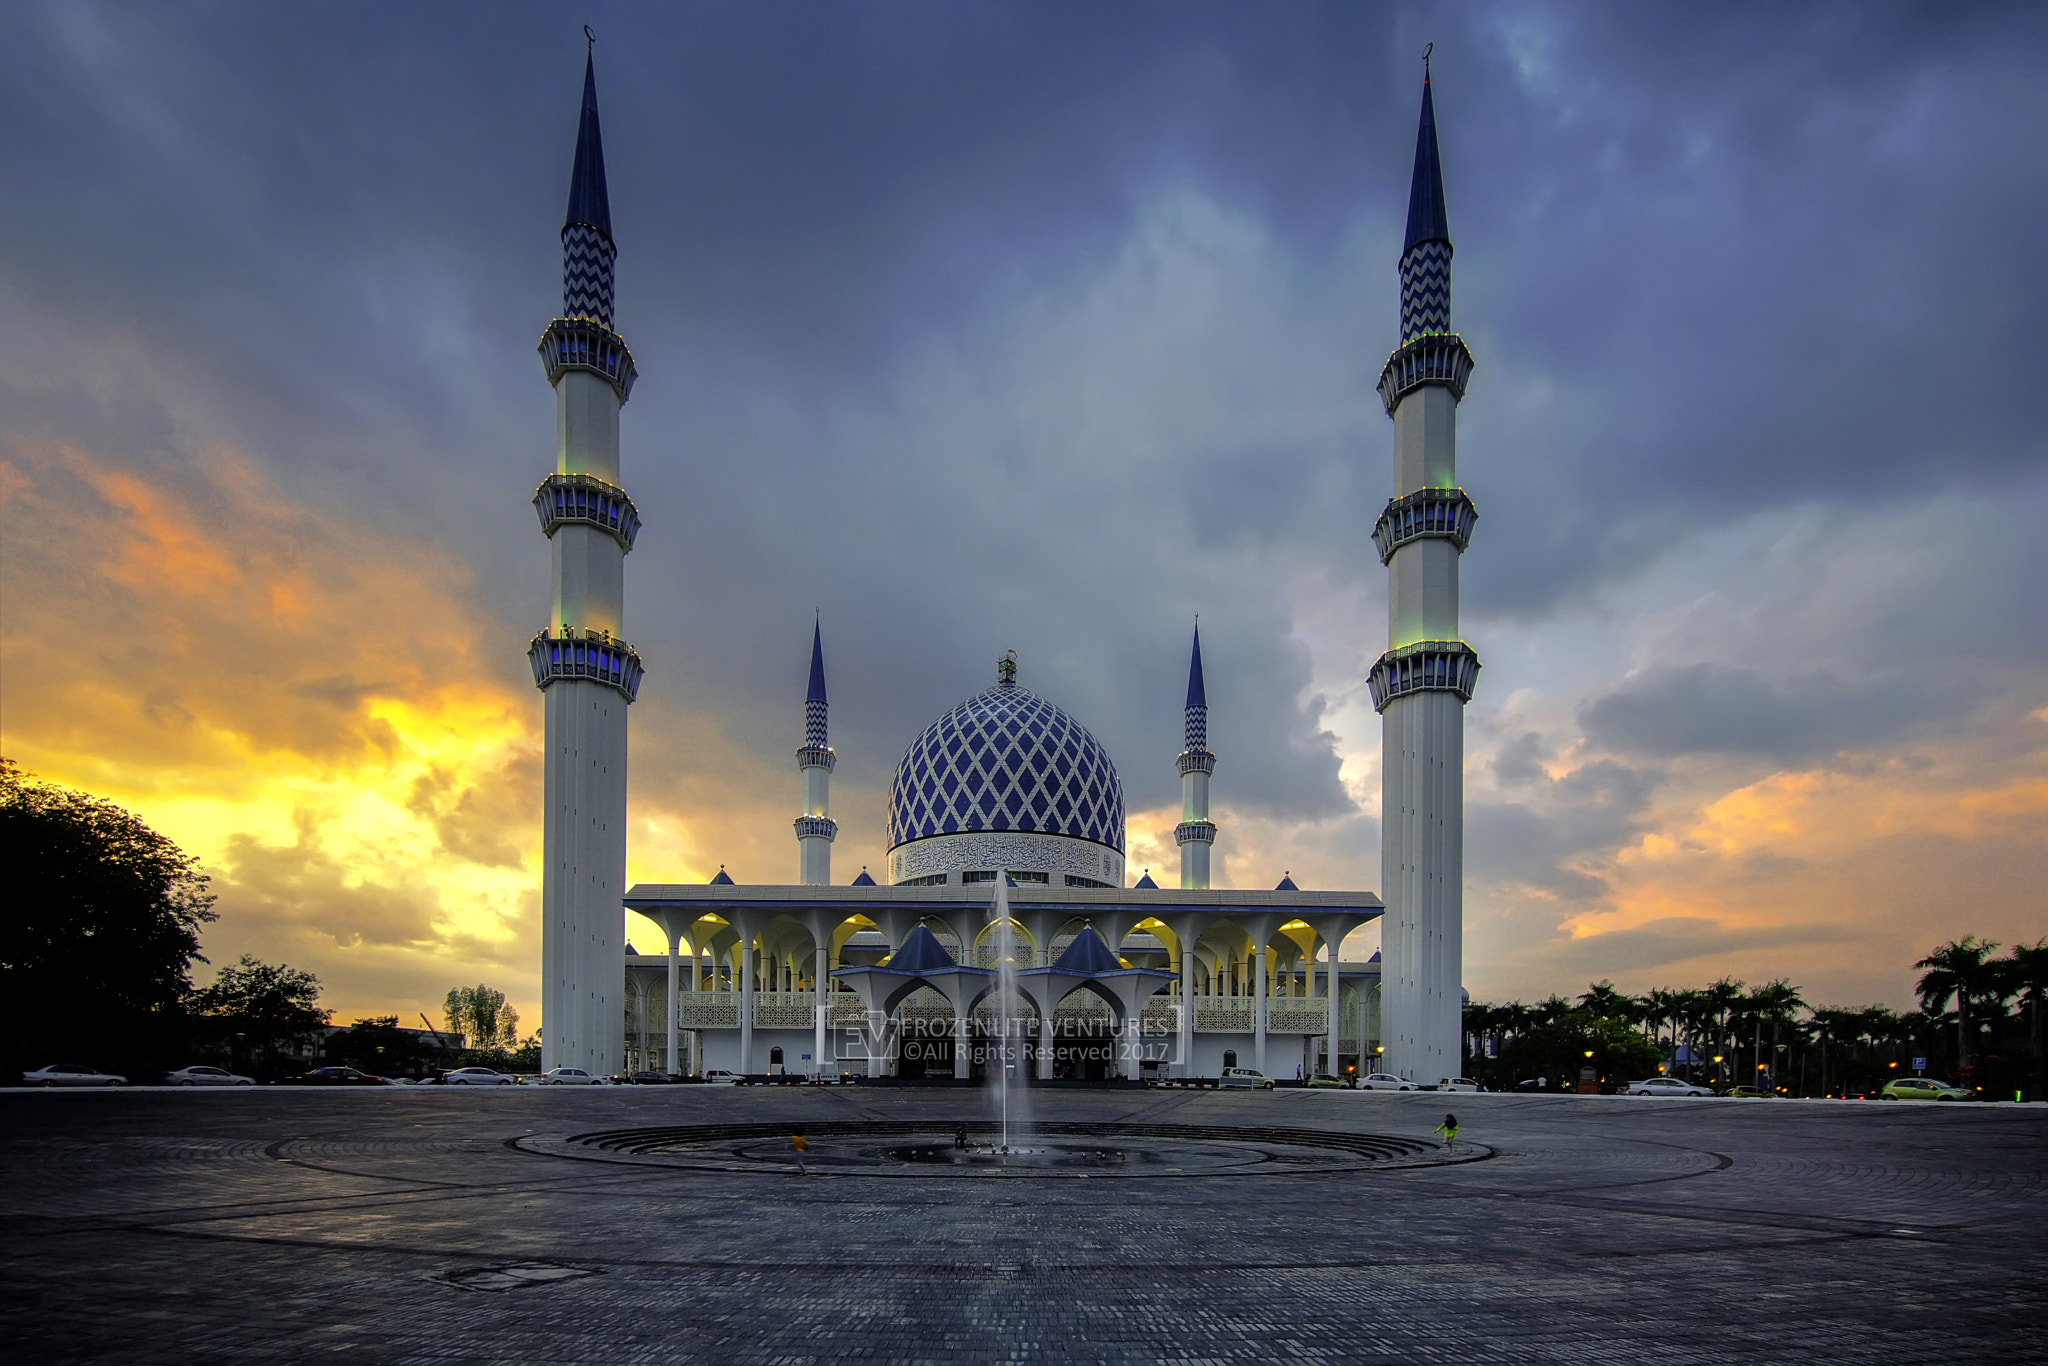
(71, 1074)
(478, 1076)
(206, 1076)
(1666, 1086)
(1387, 1081)
(562, 1076)
(1245, 1076)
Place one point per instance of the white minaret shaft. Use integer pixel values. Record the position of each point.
(815, 828)
(1422, 682)
(587, 672)
(1196, 832)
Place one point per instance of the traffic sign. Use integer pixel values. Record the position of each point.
(1919, 1064)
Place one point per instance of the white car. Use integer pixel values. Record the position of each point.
(206, 1076)
(563, 1076)
(1666, 1086)
(1386, 1081)
(478, 1076)
(718, 1076)
(71, 1074)
(1459, 1084)
(1245, 1076)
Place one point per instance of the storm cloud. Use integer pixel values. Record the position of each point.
(1043, 327)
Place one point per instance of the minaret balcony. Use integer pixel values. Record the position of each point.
(1445, 514)
(1195, 761)
(586, 500)
(580, 344)
(593, 655)
(1195, 832)
(1436, 358)
(817, 828)
(1426, 666)
(817, 756)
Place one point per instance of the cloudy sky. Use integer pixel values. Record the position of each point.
(1046, 326)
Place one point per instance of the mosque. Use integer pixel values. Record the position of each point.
(1005, 822)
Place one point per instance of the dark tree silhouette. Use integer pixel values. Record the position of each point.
(100, 930)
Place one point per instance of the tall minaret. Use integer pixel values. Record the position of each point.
(1196, 832)
(588, 675)
(815, 829)
(1421, 684)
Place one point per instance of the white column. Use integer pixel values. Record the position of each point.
(1187, 1008)
(746, 1066)
(669, 1061)
(824, 1005)
(1259, 1011)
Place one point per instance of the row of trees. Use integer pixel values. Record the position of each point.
(1980, 1022)
(97, 943)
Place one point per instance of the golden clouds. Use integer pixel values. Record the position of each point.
(306, 702)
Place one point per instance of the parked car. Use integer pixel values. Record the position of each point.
(1245, 1076)
(647, 1078)
(206, 1076)
(339, 1076)
(1748, 1092)
(71, 1074)
(569, 1076)
(1666, 1086)
(1386, 1081)
(1923, 1088)
(477, 1076)
(718, 1076)
(1323, 1081)
(1459, 1084)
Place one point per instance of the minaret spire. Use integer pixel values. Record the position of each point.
(587, 673)
(815, 828)
(587, 248)
(1196, 832)
(1421, 684)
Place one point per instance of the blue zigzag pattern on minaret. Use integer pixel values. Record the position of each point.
(587, 258)
(1426, 290)
(1195, 720)
(814, 699)
(587, 248)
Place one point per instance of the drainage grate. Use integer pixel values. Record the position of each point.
(511, 1276)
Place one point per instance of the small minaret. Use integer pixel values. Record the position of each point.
(815, 828)
(587, 673)
(1421, 684)
(1196, 832)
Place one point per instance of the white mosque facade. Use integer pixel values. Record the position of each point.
(1006, 817)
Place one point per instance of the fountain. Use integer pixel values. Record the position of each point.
(1007, 1090)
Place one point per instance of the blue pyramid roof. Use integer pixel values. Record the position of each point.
(721, 880)
(1197, 695)
(1375, 957)
(588, 202)
(1145, 883)
(1087, 954)
(1287, 883)
(863, 880)
(817, 692)
(1427, 220)
(921, 953)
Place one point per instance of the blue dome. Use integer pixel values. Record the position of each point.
(1006, 759)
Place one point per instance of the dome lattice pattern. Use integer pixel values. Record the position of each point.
(1006, 759)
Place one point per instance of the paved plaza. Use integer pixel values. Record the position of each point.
(438, 1225)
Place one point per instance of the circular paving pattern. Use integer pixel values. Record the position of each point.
(976, 1149)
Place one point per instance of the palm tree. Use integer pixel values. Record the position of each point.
(1602, 1000)
(1834, 1025)
(1957, 969)
(1774, 1002)
(1720, 1000)
(2025, 973)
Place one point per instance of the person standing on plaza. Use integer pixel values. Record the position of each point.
(798, 1146)
(1449, 1129)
